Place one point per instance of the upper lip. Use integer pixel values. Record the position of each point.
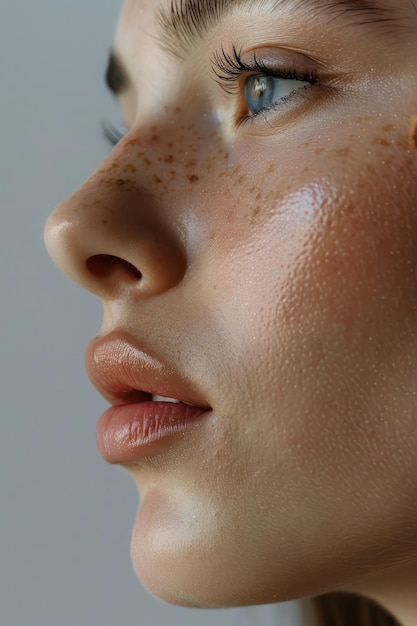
(124, 373)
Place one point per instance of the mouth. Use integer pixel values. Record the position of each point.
(156, 398)
(151, 401)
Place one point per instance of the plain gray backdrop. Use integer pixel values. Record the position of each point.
(66, 517)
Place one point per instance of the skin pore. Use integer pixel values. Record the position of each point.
(270, 258)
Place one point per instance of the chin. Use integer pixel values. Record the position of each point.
(213, 573)
(176, 559)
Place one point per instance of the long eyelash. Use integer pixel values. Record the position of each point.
(229, 67)
(111, 134)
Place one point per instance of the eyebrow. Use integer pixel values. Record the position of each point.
(116, 77)
(187, 21)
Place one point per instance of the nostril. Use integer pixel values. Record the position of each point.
(106, 266)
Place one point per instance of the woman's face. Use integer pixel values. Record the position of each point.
(255, 232)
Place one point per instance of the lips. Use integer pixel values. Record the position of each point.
(151, 402)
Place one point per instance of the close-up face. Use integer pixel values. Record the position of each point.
(253, 238)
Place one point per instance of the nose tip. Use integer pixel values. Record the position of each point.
(115, 242)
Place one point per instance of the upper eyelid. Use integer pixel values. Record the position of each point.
(229, 67)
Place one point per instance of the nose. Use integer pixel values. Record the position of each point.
(112, 235)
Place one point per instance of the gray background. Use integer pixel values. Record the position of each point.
(66, 517)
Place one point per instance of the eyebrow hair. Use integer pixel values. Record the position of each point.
(116, 77)
(186, 21)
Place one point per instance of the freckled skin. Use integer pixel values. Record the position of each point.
(278, 269)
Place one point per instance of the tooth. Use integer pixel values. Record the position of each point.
(157, 398)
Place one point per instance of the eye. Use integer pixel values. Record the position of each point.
(261, 85)
(262, 91)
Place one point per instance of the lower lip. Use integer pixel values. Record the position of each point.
(131, 432)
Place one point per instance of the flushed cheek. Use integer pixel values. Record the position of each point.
(321, 259)
(338, 319)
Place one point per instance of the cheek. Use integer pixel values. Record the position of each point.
(319, 299)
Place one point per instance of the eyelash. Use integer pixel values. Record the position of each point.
(229, 68)
(111, 134)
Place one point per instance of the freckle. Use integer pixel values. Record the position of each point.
(270, 168)
(170, 145)
(193, 178)
(381, 142)
(147, 161)
(226, 156)
(414, 132)
(341, 152)
(130, 168)
(122, 183)
(319, 150)
(389, 128)
(306, 169)
(88, 205)
(156, 179)
(131, 142)
(255, 213)
(241, 179)
(154, 129)
(177, 110)
(104, 222)
(169, 159)
(191, 164)
(252, 189)
(258, 196)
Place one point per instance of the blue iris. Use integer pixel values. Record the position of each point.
(263, 91)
